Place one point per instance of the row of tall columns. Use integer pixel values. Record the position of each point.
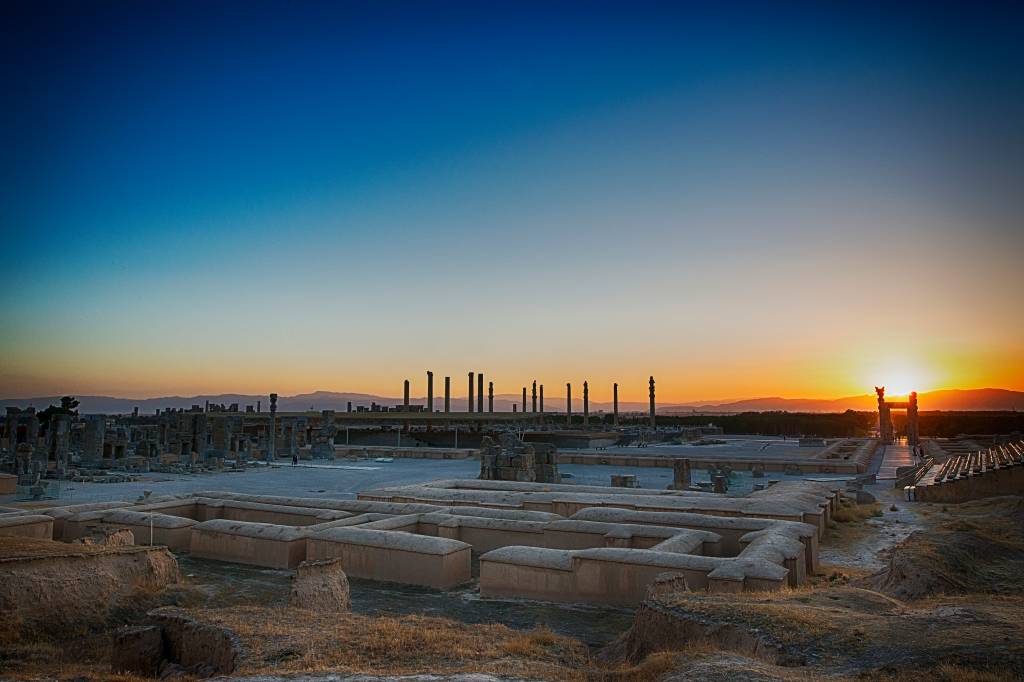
(476, 400)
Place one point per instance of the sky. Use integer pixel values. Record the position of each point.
(802, 200)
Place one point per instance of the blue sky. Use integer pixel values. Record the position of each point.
(335, 195)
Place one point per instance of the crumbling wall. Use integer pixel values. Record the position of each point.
(70, 587)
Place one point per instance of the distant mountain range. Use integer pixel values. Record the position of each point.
(949, 400)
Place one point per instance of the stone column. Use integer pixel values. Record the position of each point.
(490, 396)
(542, 398)
(430, 391)
(92, 440)
(680, 474)
(32, 429)
(615, 404)
(447, 394)
(654, 422)
(272, 440)
(405, 395)
(586, 405)
(480, 392)
(913, 437)
(524, 399)
(534, 396)
(568, 404)
(470, 391)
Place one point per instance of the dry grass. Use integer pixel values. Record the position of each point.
(13, 547)
(282, 640)
(850, 513)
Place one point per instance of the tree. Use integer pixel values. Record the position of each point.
(68, 405)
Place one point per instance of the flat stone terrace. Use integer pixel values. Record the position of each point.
(534, 541)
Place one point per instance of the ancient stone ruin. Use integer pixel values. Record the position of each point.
(510, 459)
(534, 540)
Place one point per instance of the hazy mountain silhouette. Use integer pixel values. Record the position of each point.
(948, 399)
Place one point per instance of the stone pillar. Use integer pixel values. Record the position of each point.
(586, 405)
(542, 398)
(405, 395)
(680, 474)
(12, 428)
(272, 439)
(524, 399)
(430, 391)
(92, 439)
(348, 407)
(470, 391)
(447, 394)
(32, 429)
(615, 404)
(58, 436)
(259, 406)
(568, 404)
(884, 418)
(490, 396)
(480, 392)
(533, 395)
(654, 422)
(913, 436)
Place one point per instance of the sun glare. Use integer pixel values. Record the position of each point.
(900, 379)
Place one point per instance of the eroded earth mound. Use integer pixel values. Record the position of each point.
(979, 549)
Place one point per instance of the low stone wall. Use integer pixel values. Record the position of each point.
(149, 528)
(801, 501)
(731, 529)
(394, 557)
(415, 453)
(8, 484)
(255, 544)
(27, 526)
(803, 466)
(609, 575)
